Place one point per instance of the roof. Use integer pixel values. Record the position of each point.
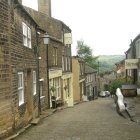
(51, 25)
(89, 69)
(24, 10)
(78, 58)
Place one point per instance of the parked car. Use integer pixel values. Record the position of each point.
(107, 93)
(104, 94)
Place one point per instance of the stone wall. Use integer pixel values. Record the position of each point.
(6, 117)
(14, 58)
(23, 59)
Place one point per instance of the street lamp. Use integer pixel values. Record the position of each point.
(46, 39)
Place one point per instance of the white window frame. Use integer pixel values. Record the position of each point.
(69, 63)
(63, 64)
(56, 83)
(29, 38)
(20, 88)
(34, 82)
(26, 35)
(24, 28)
(58, 87)
(55, 51)
(66, 63)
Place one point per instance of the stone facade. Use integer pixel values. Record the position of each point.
(16, 58)
(90, 83)
(23, 66)
(78, 70)
(6, 116)
(57, 51)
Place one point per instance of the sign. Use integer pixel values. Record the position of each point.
(131, 63)
(67, 38)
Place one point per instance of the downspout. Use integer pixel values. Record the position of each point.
(38, 75)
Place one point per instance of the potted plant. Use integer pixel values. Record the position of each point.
(53, 89)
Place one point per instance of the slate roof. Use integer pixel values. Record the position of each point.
(88, 69)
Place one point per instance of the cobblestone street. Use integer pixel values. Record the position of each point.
(94, 120)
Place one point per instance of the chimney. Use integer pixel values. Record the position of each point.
(44, 6)
(20, 1)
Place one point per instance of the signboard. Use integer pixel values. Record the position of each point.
(68, 38)
(131, 63)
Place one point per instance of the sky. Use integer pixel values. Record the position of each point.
(106, 26)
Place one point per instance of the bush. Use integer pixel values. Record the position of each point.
(117, 83)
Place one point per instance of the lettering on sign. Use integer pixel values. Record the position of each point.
(131, 64)
(68, 38)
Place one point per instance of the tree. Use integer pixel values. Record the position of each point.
(85, 52)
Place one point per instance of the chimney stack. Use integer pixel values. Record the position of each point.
(20, 1)
(44, 6)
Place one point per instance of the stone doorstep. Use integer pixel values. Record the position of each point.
(35, 121)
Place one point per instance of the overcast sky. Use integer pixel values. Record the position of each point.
(107, 26)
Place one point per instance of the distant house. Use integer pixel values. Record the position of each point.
(90, 83)
(78, 70)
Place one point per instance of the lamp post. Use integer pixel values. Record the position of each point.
(46, 39)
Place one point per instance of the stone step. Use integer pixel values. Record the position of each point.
(35, 121)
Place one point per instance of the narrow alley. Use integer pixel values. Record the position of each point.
(94, 120)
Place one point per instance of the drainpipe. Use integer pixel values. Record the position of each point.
(38, 75)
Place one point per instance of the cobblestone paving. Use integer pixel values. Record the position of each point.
(94, 120)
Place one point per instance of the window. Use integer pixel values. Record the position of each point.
(26, 35)
(55, 87)
(20, 88)
(67, 88)
(55, 56)
(63, 65)
(41, 91)
(66, 63)
(34, 82)
(129, 72)
(69, 63)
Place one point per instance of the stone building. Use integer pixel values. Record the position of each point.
(78, 70)
(59, 57)
(31, 72)
(19, 100)
(90, 83)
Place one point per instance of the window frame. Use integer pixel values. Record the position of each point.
(55, 53)
(26, 35)
(34, 83)
(20, 88)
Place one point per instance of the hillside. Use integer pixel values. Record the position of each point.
(107, 62)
